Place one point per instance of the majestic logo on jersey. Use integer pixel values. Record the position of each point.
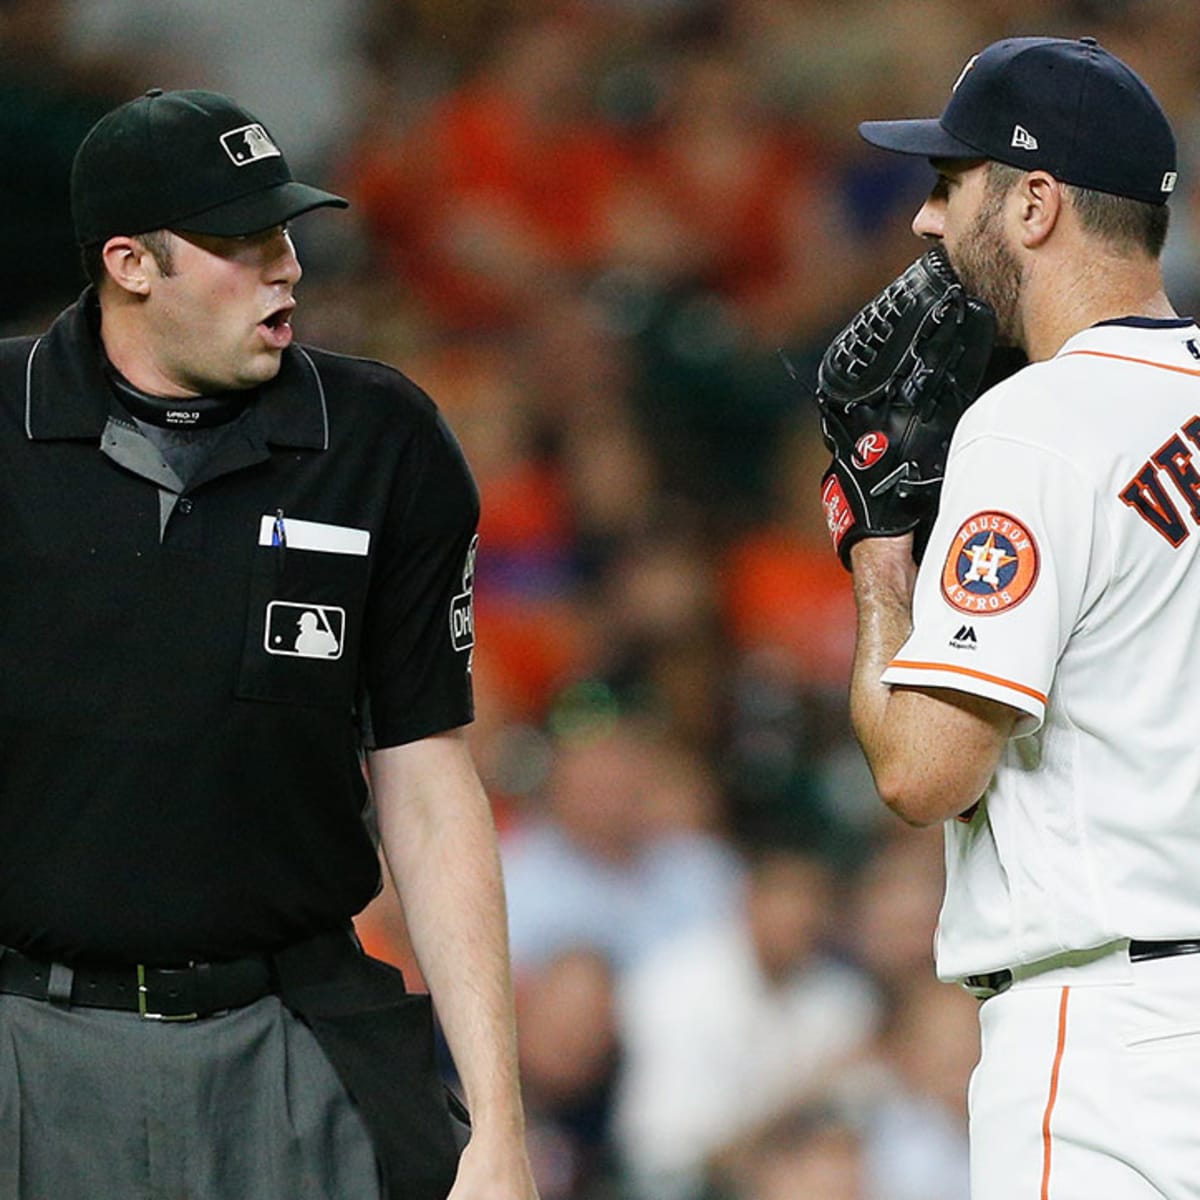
(965, 638)
(304, 630)
(992, 565)
(462, 606)
(869, 449)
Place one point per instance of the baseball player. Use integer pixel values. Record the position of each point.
(233, 568)
(1030, 684)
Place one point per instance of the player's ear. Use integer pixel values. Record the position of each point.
(1040, 201)
(129, 264)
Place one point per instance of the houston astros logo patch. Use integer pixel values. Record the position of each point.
(992, 564)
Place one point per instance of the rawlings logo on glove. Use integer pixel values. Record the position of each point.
(868, 450)
(891, 387)
(838, 514)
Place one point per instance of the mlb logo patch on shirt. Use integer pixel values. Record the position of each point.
(304, 630)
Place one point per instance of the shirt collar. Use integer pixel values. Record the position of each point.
(67, 395)
(1148, 322)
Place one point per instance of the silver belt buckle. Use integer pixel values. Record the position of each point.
(143, 1002)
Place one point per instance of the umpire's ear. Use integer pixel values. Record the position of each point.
(129, 264)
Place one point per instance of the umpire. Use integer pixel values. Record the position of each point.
(233, 567)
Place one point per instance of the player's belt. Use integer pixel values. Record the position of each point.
(157, 993)
(992, 983)
(1140, 951)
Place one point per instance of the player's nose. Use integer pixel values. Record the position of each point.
(929, 223)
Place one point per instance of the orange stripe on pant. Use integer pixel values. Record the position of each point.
(1053, 1096)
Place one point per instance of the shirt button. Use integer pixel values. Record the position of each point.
(185, 506)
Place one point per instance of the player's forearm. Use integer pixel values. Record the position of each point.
(440, 844)
(884, 574)
(932, 751)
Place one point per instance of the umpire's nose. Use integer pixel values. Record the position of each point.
(280, 261)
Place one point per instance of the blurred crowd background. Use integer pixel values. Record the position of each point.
(588, 228)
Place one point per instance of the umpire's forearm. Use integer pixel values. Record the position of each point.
(440, 844)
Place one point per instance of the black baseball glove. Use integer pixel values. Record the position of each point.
(890, 388)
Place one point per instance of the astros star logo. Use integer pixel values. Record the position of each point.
(987, 560)
(991, 566)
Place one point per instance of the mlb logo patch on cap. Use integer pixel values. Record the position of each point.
(248, 144)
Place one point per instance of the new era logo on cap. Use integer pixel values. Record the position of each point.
(1022, 139)
(248, 144)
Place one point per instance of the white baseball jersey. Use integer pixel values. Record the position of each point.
(1062, 579)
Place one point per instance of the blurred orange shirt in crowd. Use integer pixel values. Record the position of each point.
(485, 198)
(782, 592)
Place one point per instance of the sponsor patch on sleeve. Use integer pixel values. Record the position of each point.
(992, 565)
(462, 606)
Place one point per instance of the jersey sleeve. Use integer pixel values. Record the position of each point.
(420, 623)
(1002, 581)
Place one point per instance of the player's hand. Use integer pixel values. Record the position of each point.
(494, 1169)
(890, 390)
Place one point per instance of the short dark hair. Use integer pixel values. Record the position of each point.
(1124, 223)
(157, 241)
(1121, 221)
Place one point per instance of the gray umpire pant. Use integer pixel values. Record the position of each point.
(100, 1105)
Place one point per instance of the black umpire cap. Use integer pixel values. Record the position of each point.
(194, 161)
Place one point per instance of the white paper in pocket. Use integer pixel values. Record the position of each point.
(294, 534)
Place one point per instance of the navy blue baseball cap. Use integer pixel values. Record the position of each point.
(193, 161)
(1054, 104)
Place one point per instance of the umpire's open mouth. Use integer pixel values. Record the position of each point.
(276, 327)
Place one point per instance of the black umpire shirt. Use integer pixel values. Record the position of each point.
(187, 683)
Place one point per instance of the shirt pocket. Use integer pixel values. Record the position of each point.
(304, 622)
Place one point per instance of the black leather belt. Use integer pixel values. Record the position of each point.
(994, 982)
(156, 993)
(1140, 951)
